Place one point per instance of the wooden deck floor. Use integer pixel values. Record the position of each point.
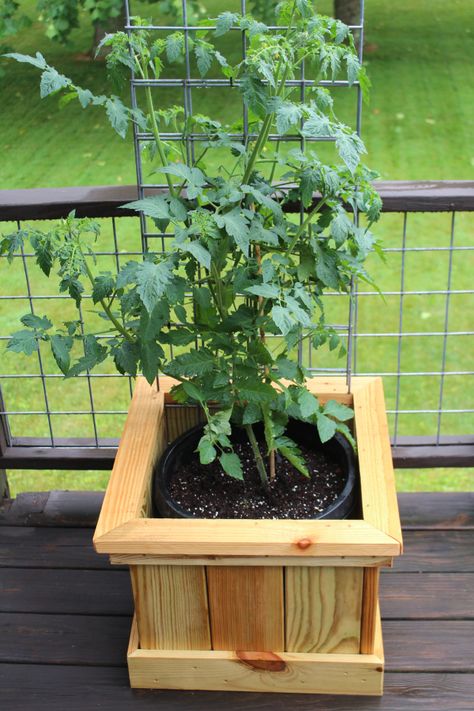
(65, 620)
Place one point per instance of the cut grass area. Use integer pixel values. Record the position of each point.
(418, 126)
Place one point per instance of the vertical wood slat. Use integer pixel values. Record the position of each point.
(171, 606)
(370, 597)
(181, 418)
(323, 609)
(246, 608)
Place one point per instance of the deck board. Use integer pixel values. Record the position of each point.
(65, 618)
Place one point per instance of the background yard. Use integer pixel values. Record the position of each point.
(418, 126)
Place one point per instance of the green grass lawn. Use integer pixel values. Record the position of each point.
(419, 125)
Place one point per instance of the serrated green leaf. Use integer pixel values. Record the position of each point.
(94, 353)
(127, 274)
(38, 322)
(232, 465)
(292, 453)
(118, 115)
(283, 319)
(61, 346)
(267, 291)
(224, 22)
(37, 61)
(199, 252)
(194, 363)
(23, 342)
(52, 81)
(326, 427)
(126, 358)
(287, 115)
(156, 207)
(153, 280)
(338, 410)
(193, 391)
(207, 451)
(174, 46)
(103, 287)
(308, 403)
(252, 413)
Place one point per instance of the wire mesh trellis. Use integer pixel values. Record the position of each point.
(422, 306)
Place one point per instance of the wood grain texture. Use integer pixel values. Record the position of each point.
(180, 418)
(323, 609)
(253, 671)
(128, 493)
(336, 561)
(171, 607)
(370, 613)
(379, 497)
(246, 608)
(238, 538)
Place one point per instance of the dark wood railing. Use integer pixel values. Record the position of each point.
(52, 203)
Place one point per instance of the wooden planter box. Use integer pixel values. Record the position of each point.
(252, 605)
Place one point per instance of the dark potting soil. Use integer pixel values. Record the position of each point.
(207, 492)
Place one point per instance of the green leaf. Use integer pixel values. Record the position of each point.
(353, 67)
(255, 391)
(153, 281)
(288, 114)
(267, 291)
(224, 22)
(195, 363)
(198, 251)
(94, 353)
(283, 319)
(9, 244)
(194, 177)
(118, 115)
(103, 287)
(292, 453)
(37, 61)
(254, 94)
(193, 391)
(326, 427)
(32, 321)
(308, 403)
(289, 369)
(174, 46)
(235, 224)
(207, 451)
(252, 413)
(126, 358)
(23, 342)
(61, 346)
(341, 227)
(151, 354)
(52, 81)
(231, 464)
(350, 147)
(156, 207)
(338, 410)
(204, 55)
(127, 274)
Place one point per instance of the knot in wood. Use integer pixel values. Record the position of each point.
(262, 661)
(304, 543)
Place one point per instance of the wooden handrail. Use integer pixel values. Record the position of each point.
(105, 201)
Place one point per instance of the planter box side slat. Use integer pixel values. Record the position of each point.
(246, 608)
(171, 606)
(370, 613)
(323, 609)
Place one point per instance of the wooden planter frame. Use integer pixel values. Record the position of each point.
(252, 605)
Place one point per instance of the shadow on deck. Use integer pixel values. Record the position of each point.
(65, 620)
